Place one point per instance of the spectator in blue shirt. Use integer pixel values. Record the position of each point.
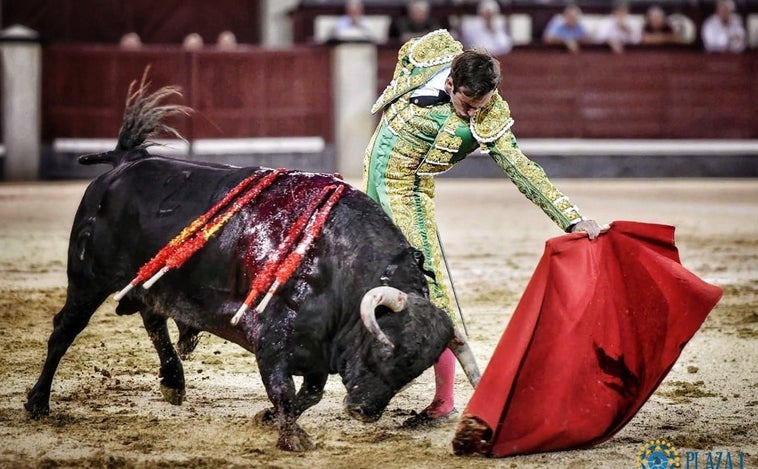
(567, 29)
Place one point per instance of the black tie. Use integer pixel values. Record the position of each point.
(428, 101)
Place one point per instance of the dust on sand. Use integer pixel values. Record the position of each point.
(107, 411)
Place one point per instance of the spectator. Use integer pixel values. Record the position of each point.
(618, 29)
(417, 22)
(130, 41)
(567, 29)
(193, 41)
(487, 30)
(658, 30)
(352, 26)
(723, 31)
(226, 40)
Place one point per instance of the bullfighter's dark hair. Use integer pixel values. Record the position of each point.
(144, 114)
(475, 72)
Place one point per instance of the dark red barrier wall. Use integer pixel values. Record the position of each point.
(246, 93)
(643, 93)
(255, 92)
(157, 22)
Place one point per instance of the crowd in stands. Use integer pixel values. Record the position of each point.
(226, 40)
(722, 32)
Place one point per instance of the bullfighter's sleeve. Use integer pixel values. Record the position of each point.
(492, 129)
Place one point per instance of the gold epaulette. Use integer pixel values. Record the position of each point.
(435, 48)
(492, 121)
(419, 60)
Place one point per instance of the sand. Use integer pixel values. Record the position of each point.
(107, 411)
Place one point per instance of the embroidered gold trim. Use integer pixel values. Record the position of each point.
(435, 48)
(418, 60)
(446, 146)
(532, 181)
(492, 121)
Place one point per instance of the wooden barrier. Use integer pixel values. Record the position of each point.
(84, 87)
(248, 92)
(163, 22)
(663, 93)
(644, 93)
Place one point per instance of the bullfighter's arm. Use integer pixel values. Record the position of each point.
(491, 128)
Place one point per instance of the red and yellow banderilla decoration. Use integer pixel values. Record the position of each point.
(279, 271)
(196, 234)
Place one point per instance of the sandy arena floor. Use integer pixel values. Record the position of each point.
(107, 411)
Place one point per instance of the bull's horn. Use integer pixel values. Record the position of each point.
(465, 356)
(390, 297)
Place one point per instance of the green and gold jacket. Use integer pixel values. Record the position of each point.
(431, 140)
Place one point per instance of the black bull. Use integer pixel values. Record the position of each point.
(312, 327)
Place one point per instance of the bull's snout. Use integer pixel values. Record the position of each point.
(361, 412)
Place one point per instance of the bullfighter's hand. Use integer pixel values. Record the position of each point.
(591, 227)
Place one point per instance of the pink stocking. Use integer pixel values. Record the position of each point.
(444, 379)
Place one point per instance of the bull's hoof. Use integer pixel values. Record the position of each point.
(37, 411)
(172, 395)
(295, 441)
(266, 418)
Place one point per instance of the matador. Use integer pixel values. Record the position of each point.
(441, 105)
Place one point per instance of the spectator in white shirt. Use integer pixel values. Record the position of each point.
(618, 29)
(487, 30)
(352, 25)
(723, 31)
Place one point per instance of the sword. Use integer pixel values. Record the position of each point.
(452, 284)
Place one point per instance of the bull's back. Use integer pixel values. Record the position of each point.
(138, 207)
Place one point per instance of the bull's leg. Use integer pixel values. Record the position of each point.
(188, 339)
(67, 324)
(280, 388)
(172, 372)
(310, 394)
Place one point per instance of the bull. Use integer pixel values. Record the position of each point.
(356, 305)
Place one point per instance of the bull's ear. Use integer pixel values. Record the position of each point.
(418, 256)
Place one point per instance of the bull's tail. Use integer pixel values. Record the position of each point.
(144, 119)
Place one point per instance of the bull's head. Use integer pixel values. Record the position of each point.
(408, 334)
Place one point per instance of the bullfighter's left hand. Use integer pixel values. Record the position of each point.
(591, 227)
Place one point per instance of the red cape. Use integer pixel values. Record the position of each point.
(598, 328)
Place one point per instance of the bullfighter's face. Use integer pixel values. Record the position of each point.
(465, 106)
